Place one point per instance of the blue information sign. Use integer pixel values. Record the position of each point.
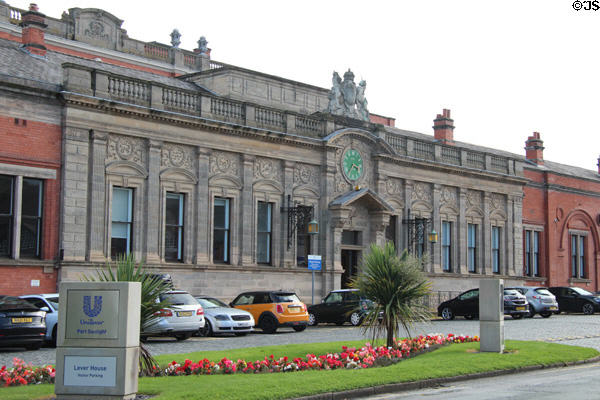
(314, 263)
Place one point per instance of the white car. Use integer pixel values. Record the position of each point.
(220, 318)
(541, 301)
(181, 320)
(48, 303)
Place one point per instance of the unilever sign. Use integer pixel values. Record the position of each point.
(92, 315)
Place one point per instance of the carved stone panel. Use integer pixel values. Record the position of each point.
(474, 199)
(126, 148)
(421, 192)
(498, 201)
(305, 174)
(448, 197)
(224, 163)
(267, 168)
(96, 27)
(177, 156)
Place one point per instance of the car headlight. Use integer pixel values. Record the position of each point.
(597, 299)
(222, 317)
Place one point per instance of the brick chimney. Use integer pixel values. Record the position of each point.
(443, 128)
(33, 23)
(534, 149)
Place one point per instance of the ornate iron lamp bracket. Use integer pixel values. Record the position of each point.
(298, 215)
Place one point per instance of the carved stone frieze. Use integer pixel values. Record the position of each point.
(224, 163)
(497, 201)
(174, 155)
(126, 148)
(448, 196)
(393, 186)
(305, 174)
(266, 168)
(474, 199)
(421, 191)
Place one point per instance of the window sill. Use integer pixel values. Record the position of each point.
(580, 280)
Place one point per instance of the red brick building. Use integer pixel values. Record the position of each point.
(561, 215)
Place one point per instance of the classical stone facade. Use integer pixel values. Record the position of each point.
(193, 166)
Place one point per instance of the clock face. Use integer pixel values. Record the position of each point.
(353, 164)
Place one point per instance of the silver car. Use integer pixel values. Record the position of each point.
(181, 320)
(48, 303)
(541, 301)
(220, 318)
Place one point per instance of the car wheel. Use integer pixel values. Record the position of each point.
(355, 319)
(206, 330)
(268, 324)
(312, 319)
(447, 313)
(183, 336)
(54, 335)
(531, 313)
(546, 314)
(588, 308)
(517, 316)
(299, 328)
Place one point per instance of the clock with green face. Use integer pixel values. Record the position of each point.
(352, 163)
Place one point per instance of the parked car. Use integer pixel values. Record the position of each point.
(466, 304)
(540, 300)
(574, 299)
(181, 320)
(48, 303)
(21, 323)
(273, 309)
(220, 318)
(340, 306)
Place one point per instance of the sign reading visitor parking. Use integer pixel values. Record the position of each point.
(90, 371)
(314, 263)
(93, 314)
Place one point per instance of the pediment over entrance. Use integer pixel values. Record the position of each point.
(370, 199)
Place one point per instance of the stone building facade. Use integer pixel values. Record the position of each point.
(193, 166)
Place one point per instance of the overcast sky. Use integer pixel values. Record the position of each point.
(505, 68)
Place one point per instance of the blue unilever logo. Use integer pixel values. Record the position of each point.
(87, 306)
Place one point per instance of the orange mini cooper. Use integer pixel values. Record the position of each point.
(273, 309)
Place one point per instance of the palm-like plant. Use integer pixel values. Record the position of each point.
(126, 270)
(396, 285)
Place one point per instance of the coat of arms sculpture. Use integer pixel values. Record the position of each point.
(347, 99)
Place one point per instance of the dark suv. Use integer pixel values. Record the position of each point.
(574, 299)
(340, 306)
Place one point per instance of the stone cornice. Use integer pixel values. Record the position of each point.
(562, 188)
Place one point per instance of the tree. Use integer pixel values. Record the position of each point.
(126, 270)
(397, 286)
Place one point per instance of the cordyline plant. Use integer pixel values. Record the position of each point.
(397, 286)
(126, 270)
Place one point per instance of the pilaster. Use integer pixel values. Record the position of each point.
(246, 211)
(288, 254)
(202, 207)
(486, 265)
(152, 202)
(436, 225)
(96, 204)
(461, 265)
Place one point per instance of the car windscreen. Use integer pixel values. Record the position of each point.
(543, 292)
(53, 302)
(511, 292)
(209, 302)
(8, 303)
(285, 298)
(179, 299)
(582, 291)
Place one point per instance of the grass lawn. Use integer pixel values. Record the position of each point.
(457, 359)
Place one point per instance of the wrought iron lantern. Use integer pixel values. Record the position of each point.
(433, 236)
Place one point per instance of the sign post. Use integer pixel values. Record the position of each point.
(314, 264)
(98, 337)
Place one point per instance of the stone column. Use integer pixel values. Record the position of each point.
(202, 207)
(289, 254)
(379, 221)
(461, 246)
(437, 226)
(486, 231)
(16, 231)
(153, 202)
(246, 211)
(96, 205)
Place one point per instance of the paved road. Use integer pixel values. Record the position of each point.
(580, 382)
(578, 330)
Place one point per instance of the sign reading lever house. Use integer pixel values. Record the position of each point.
(98, 340)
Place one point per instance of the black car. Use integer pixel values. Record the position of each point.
(340, 306)
(21, 323)
(466, 304)
(574, 299)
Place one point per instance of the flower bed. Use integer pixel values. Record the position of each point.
(349, 358)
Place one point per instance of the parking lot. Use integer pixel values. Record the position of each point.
(572, 329)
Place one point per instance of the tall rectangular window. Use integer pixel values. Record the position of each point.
(578, 256)
(472, 247)
(174, 227)
(31, 218)
(6, 214)
(536, 253)
(447, 246)
(420, 237)
(496, 249)
(527, 253)
(532, 253)
(264, 230)
(122, 219)
(221, 230)
(390, 230)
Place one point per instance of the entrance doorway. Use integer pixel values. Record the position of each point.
(350, 265)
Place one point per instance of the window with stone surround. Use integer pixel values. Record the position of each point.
(532, 252)
(31, 218)
(6, 214)
(447, 246)
(221, 230)
(472, 247)
(496, 235)
(578, 245)
(122, 221)
(264, 232)
(174, 207)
